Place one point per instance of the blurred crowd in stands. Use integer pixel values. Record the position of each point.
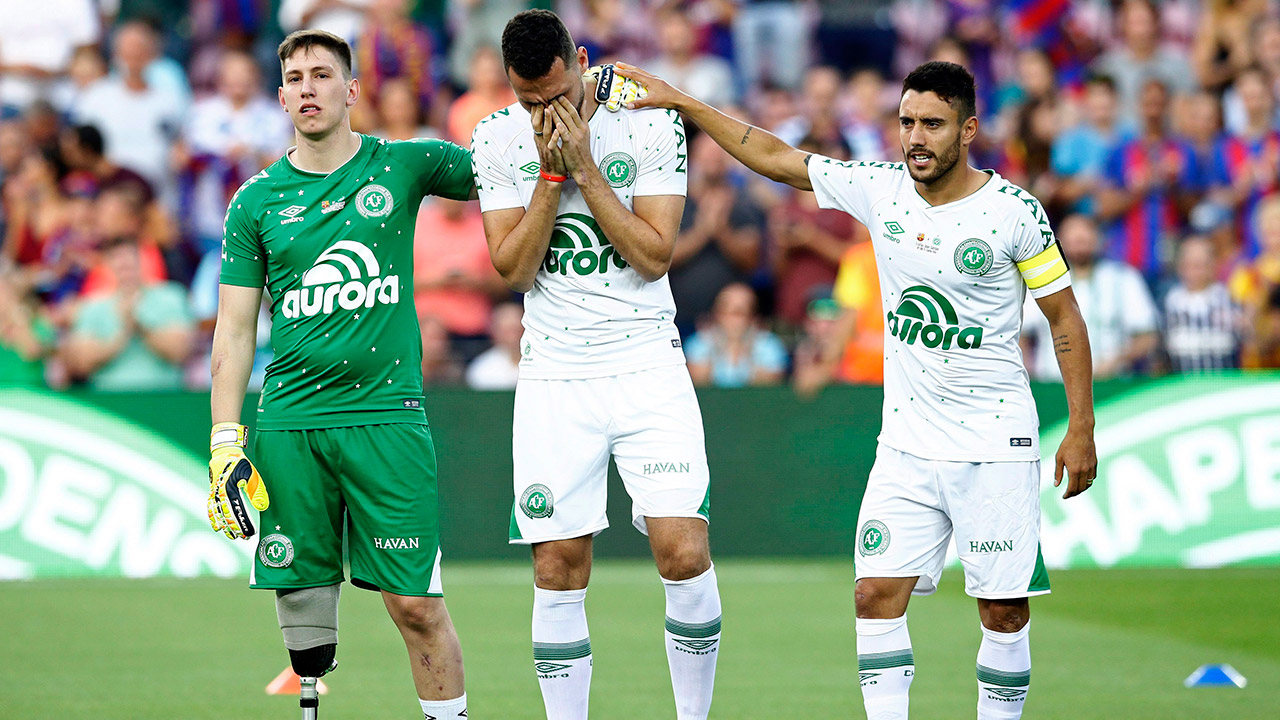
(1150, 131)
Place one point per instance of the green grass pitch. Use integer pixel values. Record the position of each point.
(1106, 644)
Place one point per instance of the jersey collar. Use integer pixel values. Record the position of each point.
(364, 139)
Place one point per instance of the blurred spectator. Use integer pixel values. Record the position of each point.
(844, 335)
(854, 34)
(806, 244)
(706, 77)
(203, 304)
(1140, 57)
(81, 148)
(732, 350)
(67, 255)
(36, 209)
(480, 22)
(37, 41)
(228, 137)
(1266, 50)
(400, 116)
(1079, 154)
(454, 280)
(866, 91)
(138, 121)
(1266, 332)
(487, 92)
(860, 329)
(1247, 161)
(440, 367)
(1222, 43)
(1115, 303)
(88, 66)
(1253, 286)
(1028, 150)
(390, 46)
(769, 41)
(134, 338)
(498, 368)
(1198, 119)
(26, 338)
(119, 213)
(344, 18)
(719, 240)
(1201, 323)
(607, 29)
(1151, 183)
(820, 117)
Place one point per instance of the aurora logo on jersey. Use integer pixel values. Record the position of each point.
(325, 284)
(926, 315)
(579, 245)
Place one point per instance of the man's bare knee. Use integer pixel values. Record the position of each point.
(1005, 616)
(422, 616)
(882, 598)
(562, 564)
(683, 562)
(680, 547)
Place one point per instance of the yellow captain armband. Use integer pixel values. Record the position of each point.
(1043, 268)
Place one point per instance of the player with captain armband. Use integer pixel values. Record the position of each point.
(956, 249)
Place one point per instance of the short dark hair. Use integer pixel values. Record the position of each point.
(1101, 80)
(307, 39)
(950, 82)
(89, 138)
(532, 41)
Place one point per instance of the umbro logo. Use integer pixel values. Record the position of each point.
(293, 214)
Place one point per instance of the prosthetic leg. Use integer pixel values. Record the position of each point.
(309, 622)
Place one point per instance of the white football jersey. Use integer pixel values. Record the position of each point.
(952, 280)
(589, 314)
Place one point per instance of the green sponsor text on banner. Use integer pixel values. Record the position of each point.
(1188, 476)
(83, 492)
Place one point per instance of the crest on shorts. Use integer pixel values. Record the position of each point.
(873, 538)
(275, 551)
(537, 502)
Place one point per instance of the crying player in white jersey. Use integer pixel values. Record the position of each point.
(582, 203)
(956, 250)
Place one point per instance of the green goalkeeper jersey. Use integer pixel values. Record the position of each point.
(335, 252)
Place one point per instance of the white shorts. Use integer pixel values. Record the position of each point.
(564, 432)
(913, 506)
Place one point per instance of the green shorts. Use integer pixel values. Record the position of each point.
(377, 480)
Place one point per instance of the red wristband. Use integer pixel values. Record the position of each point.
(552, 178)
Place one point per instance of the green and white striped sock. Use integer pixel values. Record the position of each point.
(693, 642)
(562, 652)
(1004, 674)
(886, 666)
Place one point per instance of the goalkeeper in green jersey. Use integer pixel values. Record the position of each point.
(342, 438)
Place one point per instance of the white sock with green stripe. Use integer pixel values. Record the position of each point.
(885, 667)
(1004, 673)
(693, 642)
(562, 652)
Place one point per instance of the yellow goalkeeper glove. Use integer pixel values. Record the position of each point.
(612, 90)
(231, 478)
